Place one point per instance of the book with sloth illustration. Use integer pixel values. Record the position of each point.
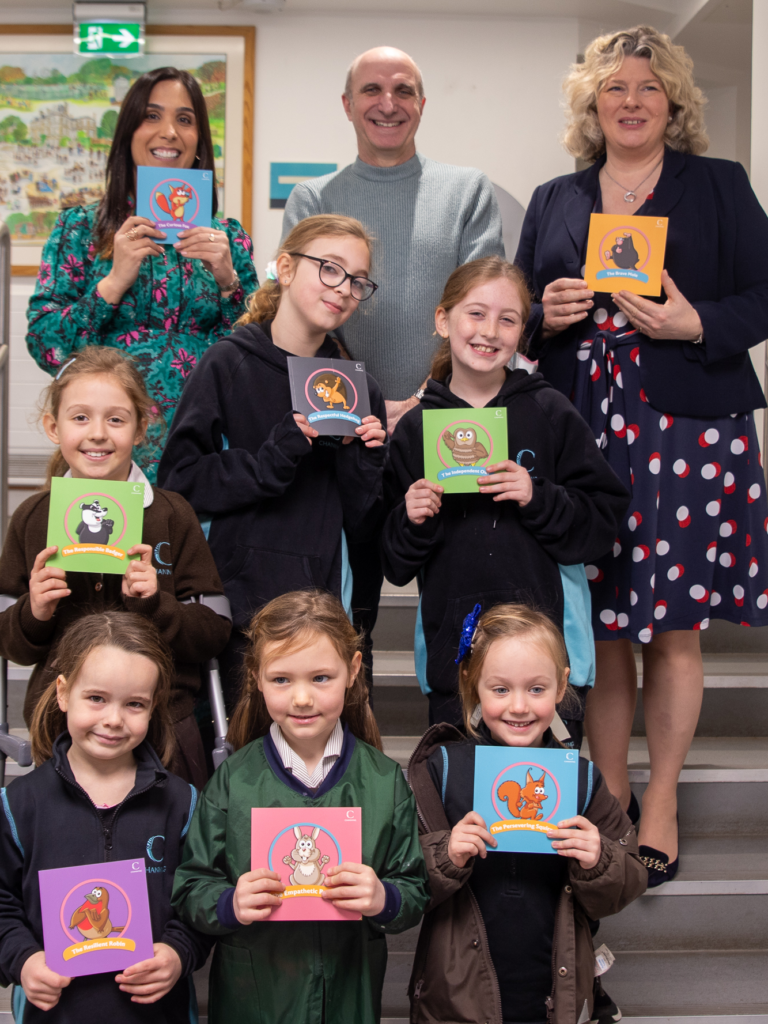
(331, 393)
(523, 792)
(95, 917)
(300, 844)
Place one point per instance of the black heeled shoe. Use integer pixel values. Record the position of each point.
(633, 811)
(659, 868)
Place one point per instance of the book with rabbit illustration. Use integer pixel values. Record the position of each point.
(94, 523)
(523, 792)
(95, 917)
(175, 200)
(300, 844)
(458, 449)
(332, 393)
(625, 253)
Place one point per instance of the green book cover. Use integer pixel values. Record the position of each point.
(458, 448)
(94, 523)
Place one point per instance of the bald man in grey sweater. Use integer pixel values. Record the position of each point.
(427, 218)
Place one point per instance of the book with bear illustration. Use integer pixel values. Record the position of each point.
(522, 792)
(94, 523)
(300, 844)
(331, 393)
(459, 448)
(625, 253)
(95, 917)
(175, 200)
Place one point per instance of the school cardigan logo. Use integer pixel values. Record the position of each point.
(161, 561)
(156, 852)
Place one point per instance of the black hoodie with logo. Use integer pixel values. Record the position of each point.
(480, 550)
(276, 505)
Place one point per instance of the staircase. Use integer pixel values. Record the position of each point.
(694, 951)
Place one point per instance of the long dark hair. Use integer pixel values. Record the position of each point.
(114, 208)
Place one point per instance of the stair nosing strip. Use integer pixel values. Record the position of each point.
(702, 887)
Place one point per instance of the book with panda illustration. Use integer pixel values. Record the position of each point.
(94, 523)
(523, 792)
(300, 844)
(332, 393)
(175, 200)
(625, 253)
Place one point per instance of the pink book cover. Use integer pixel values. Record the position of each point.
(95, 917)
(300, 844)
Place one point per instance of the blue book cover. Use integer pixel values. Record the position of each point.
(523, 792)
(175, 200)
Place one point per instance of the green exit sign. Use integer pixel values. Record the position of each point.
(109, 37)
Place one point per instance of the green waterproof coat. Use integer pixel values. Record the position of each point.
(302, 972)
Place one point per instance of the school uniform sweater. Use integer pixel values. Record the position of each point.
(189, 608)
(48, 821)
(274, 505)
(480, 550)
(300, 972)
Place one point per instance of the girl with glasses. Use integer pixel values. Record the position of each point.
(278, 502)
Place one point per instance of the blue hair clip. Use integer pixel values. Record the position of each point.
(468, 631)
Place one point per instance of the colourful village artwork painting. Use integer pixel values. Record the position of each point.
(58, 113)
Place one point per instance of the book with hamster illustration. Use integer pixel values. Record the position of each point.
(300, 844)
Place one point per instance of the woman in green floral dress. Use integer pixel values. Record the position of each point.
(105, 279)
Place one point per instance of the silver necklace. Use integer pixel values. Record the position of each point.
(630, 194)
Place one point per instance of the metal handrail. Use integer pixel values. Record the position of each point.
(10, 746)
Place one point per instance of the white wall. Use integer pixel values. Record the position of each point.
(492, 87)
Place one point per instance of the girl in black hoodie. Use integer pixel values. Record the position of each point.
(279, 503)
(554, 504)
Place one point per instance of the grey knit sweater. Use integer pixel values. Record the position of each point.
(427, 218)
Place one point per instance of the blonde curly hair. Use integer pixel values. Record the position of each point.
(583, 136)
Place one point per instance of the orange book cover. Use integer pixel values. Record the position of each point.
(625, 253)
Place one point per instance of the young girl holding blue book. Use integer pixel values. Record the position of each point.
(305, 738)
(507, 936)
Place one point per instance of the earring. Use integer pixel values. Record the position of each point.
(669, 119)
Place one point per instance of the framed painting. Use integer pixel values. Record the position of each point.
(58, 112)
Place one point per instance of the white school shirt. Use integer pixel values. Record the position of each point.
(294, 764)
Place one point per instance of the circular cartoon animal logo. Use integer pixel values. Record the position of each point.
(95, 915)
(624, 252)
(175, 200)
(94, 518)
(331, 390)
(464, 445)
(305, 850)
(525, 793)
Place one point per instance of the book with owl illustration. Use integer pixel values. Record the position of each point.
(332, 393)
(175, 200)
(522, 792)
(458, 449)
(625, 253)
(94, 523)
(300, 843)
(95, 917)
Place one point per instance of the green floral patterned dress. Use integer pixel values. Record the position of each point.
(165, 322)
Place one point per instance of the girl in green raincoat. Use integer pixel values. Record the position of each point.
(305, 737)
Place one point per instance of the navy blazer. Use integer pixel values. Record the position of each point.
(717, 255)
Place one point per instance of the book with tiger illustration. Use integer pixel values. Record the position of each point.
(331, 393)
(523, 792)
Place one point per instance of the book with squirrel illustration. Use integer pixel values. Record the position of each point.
(94, 523)
(459, 448)
(95, 917)
(175, 200)
(331, 393)
(523, 792)
(300, 844)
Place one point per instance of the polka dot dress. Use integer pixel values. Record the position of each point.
(694, 544)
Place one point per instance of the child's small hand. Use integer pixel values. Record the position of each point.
(509, 482)
(47, 586)
(370, 432)
(303, 424)
(422, 501)
(468, 839)
(150, 980)
(355, 887)
(41, 985)
(140, 578)
(255, 895)
(577, 837)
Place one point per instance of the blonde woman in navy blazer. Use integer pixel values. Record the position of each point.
(669, 389)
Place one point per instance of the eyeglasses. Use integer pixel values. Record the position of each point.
(333, 275)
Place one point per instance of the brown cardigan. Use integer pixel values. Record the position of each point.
(453, 977)
(185, 570)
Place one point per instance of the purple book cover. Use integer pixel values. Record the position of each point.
(95, 917)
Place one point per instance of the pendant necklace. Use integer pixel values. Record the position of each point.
(630, 194)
